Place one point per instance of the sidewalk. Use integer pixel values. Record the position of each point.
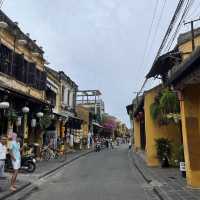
(43, 168)
(167, 182)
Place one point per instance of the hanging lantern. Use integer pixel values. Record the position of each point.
(25, 109)
(4, 105)
(33, 123)
(40, 114)
(19, 121)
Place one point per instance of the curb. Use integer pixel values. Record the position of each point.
(146, 177)
(30, 187)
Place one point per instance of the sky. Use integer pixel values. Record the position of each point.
(100, 44)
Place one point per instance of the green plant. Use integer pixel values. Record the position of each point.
(154, 111)
(12, 115)
(46, 120)
(163, 148)
(169, 102)
(165, 108)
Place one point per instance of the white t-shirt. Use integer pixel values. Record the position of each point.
(3, 152)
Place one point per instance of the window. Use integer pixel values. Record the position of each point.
(68, 98)
(63, 93)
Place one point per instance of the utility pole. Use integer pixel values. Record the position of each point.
(192, 30)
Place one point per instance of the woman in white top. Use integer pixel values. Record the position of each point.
(3, 151)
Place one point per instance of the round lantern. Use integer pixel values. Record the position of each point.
(19, 121)
(33, 123)
(4, 105)
(40, 114)
(25, 109)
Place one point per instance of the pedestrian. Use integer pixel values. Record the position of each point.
(3, 151)
(15, 153)
(129, 145)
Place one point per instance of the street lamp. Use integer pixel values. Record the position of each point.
(25, 110)
(4, 105)
(40, 114)
(33, 123)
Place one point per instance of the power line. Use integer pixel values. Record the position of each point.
(149, 33)
(158, 24)
(194, 11)
(171, 25)
(168, 32)
(1, 3)
(184, 15)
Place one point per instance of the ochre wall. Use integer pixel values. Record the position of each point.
(8, 40)
(155, 131)
(137, 141)
(187, 47)
(190, 116)
(83, 113)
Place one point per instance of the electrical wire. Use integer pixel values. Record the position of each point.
(1, 3)
(158, 24)
(170, 27)
(149, 34)
(167, 34)
(184, 15)
(194, 11)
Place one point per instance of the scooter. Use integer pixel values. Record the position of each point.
(98, 147)
(28, 163)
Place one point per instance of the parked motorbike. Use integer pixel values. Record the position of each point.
(98, 147)
(28, 163)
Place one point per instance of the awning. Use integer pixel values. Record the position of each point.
(74, 123)
(185, 68)
(22, 95)
(139, 106)
(61, 114)
(164, 63)
(129, 108)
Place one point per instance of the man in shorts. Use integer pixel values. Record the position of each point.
(16, 160)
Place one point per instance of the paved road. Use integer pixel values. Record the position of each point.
(108, 175)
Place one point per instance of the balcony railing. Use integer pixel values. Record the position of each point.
(16, 66)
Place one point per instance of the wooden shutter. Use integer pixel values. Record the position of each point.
(18, 69)
(32, 74)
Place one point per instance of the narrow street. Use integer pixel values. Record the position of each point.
(101, 176)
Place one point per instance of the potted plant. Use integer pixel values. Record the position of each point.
(163, 147)
(182, 161)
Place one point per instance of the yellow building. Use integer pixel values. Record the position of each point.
(186, 81)
(22, 80)
(180, 68)
(53, 96)
(155, 131)
(84, 114)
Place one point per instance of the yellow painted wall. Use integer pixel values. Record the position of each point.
(187, 47)
(154, 131)
(8, 39)
(137, 140)
(190, 116)
(83, 113)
